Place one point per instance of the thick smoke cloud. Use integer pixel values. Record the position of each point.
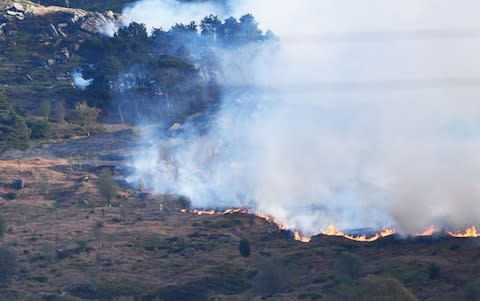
(365, 115)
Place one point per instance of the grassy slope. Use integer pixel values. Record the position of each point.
(150, 248)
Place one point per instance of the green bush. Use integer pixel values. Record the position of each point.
(10, 196)
(40, 129)
(472, 292)
(14, 132)
(8, 263)
(433, 271)
(106, 186)
(244, 248)
(348, 265)
(3, 226)
(375, 288)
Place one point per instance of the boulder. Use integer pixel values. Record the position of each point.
(18, 7)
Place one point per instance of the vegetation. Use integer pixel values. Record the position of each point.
(8, 263)
(244, 248)
(166, 76)
(375, 288)
(40, 129)
(14, 132)
(106, 186)
(46, 108)
(348, 265)
(86, 116)
(472, 292)
(3, 226)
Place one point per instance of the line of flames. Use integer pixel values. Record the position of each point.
(470, 232)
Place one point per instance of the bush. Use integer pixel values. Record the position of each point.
(273, 277)
(472, 292)
(86, 116)
(3, 226)
(433, 271)
(40, 129)
(106, 186)
(244, 248)
(14, 132)
(9, 196)
(8, 263)
(348, 265)
(375, 288)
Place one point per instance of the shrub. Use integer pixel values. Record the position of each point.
(375, 288)
(272, 278)
(244, 248)
(40, 129)
(86, 116)
(348, 265)
(106, 186)
(472, 292)
(45, 108)
(3, 226)
(14, 132)
(10, 196)
(433, 271)
(8, 262)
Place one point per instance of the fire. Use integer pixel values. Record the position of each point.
(217, 212)
(299, 237)
(296, 234)
(469, 232)
(333, 231)
(429, 232)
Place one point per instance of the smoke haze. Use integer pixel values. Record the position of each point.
(363, 114)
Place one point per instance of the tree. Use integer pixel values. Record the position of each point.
(46, 108)
(14, 132)
(106, 186)
(87, 116)
(244, 248)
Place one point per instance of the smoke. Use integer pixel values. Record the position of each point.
(79, 81)
(166, 13)
(364, 115)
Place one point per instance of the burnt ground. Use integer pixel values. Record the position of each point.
(70, 245)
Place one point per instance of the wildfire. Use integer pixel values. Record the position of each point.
(333, 231)
(428, 232)
(469, 232)
(299, 237)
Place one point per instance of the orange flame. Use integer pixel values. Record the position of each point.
(429, 231)
(469, 232)
(299, 237)
(333, 231)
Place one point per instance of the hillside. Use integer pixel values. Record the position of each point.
(71, 245)
(73, 228)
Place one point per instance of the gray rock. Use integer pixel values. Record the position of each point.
(54, 31)
(18, 7)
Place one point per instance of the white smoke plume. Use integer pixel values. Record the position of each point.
(79, 81)
(366, 115)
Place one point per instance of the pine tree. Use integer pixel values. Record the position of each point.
(14, 132)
